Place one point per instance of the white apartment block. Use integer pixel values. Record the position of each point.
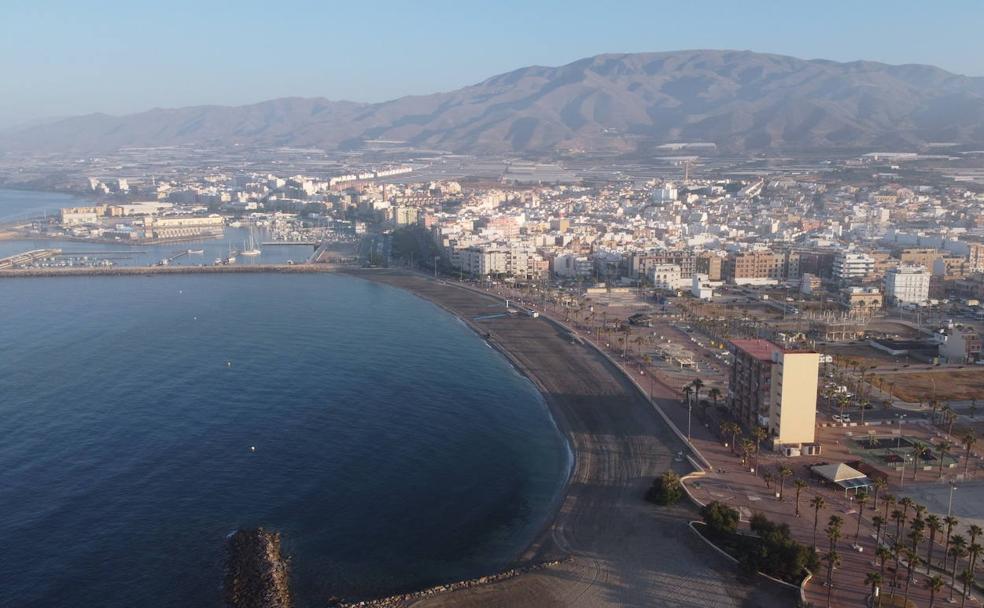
(849, 265)
(907, 285)
(666, 276)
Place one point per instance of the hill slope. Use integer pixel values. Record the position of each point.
(737, 99)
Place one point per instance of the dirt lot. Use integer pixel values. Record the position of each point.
(950, 385)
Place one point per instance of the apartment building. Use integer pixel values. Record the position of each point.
(907, 285)
(753, 268)
(777, 389)
(849, 266)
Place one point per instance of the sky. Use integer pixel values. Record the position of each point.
(62, 58)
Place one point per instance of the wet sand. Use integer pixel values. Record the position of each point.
(622, 551)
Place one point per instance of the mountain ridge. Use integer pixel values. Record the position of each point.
(613, 102)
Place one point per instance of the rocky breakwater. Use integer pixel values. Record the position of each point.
(256, 571)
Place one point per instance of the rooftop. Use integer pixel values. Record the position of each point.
(757, 348)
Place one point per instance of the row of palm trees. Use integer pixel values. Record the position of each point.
(907, 547)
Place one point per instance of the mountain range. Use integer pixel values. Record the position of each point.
(613, 103)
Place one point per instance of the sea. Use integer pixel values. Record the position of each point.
(145, 418)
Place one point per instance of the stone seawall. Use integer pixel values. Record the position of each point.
(148, 270)
(405, 599)
(256, 571)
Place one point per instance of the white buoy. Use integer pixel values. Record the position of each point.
(228, 363)
(252, 448)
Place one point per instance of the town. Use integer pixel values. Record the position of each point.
(814, 324)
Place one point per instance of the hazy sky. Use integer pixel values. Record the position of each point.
(71, 57)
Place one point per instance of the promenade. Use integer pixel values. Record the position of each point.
(625, 552)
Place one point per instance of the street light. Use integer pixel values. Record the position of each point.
(949, 505)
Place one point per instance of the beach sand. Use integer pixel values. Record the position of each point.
(625, 551)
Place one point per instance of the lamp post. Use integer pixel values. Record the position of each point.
(690, 408)
(949, 504)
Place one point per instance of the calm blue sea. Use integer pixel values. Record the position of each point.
(394, 448)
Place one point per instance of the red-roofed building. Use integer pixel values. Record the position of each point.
(776, 389)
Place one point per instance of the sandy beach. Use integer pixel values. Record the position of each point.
(622, 551)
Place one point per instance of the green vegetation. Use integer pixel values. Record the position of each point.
(770, 550)
(666, 489)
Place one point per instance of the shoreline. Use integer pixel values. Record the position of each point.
(600, 528)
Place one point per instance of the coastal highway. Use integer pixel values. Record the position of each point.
(625, 551)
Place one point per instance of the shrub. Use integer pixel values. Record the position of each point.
(666, 489)
(720, 518)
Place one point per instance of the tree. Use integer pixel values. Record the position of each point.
(912, 562)
(918, 451)
(935, 525)
(784, 472)
(889, 502)
(944, 447)
(817, 502)
(897, 517)
(957, 551)
(897, 550)
(714, 394)
(974, 551)
(880, 484)
(934, 585)
(833, 530)
(688, 392)
(697, 384)
(951, 522)
(862, 498)
(666, 489)
(883, 554)
(878, 521)
(905, 503)
(967, 578)
(873, 579)
(833, 560)
(968, 440)
(800, 484)
(720, 518)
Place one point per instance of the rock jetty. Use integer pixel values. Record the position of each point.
(256, 571)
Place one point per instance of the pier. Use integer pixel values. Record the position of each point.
(28, 257)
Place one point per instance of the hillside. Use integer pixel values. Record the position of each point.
(737, 99)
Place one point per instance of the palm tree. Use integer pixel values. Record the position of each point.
(934, 585)
(957, 551)
(817, 502)
(862, 498)
(883, 553)
(899, 518)
(784, 472)
(688, 392)
(950, 417)
(974, 551)
(944, 448)
(974, 531)
(967, 578)
(935, 525)
(912, 562)
(833, 560)
(889, 501)
(747, 448)
(880, 484)
(878, 521)
(697, 384)
(833, 530)
(918, 451)
(951, 522)
(800, 484)
(714, 394)
(968, 440)
(759, 434)
(897, 550)
(873, 579)
(905, 503)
